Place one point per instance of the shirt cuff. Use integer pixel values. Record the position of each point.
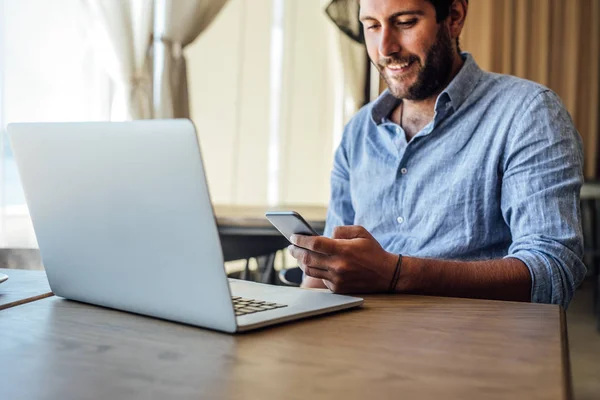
(541, 289)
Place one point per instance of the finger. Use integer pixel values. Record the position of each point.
(318, 244)
(350, 232)
(315, 272)
(310, 259)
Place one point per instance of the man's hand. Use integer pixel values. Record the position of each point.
(352, 261)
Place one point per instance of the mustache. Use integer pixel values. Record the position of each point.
(395, 59)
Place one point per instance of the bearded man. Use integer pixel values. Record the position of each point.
(455, 181)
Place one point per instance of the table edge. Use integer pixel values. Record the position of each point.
(566, 357)
(25, 301)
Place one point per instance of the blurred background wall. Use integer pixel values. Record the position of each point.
(553, 42)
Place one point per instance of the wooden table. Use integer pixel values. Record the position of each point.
(251, 220)
(408, 347)
(245, 233)
(22, 287)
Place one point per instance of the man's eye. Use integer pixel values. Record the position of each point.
(406, 24)
(372, 27)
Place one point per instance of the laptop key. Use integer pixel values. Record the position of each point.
(253, 308)
(244, 306)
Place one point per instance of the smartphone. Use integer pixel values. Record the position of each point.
(289, 223)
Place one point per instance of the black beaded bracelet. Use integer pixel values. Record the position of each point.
(396, 276)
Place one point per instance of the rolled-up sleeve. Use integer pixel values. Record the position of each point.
(542, 177)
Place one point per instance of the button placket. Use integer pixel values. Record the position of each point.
(400, 220)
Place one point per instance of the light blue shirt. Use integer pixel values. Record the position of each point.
(495, 174)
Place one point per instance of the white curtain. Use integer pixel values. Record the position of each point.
(123, 31)
(177, 24)
(354, 63)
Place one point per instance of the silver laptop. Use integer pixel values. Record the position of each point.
(123, 219)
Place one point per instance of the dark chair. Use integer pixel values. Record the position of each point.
(291, 276)
(265, 273)
(263, 248)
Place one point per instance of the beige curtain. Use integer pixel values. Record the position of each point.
(123, 29)
(177, 23)
(553, 42)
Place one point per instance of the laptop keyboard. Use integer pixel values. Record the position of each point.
(249, 306)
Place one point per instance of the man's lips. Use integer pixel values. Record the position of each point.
(399, 67)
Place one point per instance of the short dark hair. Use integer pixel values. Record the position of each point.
(442, 10)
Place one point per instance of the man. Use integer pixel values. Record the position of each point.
(455, 181)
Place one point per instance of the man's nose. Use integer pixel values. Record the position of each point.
(389, 43)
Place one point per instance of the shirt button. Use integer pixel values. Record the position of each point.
(400, 220)
(403, 171)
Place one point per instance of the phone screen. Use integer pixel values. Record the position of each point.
(290, 223)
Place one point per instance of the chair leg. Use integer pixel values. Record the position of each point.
(596, 296)
(268, 275)
(246, 272)
(278, 274)
(597, 299)
(597, 304)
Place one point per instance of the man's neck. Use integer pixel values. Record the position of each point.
(414, 115)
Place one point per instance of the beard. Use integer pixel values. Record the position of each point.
(433, 73)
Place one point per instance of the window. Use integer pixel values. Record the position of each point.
(48, 74)
(266, 96)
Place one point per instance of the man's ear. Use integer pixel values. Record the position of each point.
(456, 17)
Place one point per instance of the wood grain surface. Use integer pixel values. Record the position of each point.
(409, 347)
(22, 287)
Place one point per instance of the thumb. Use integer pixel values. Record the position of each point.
(350, 232)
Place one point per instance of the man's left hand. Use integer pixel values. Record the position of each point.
(352, 261)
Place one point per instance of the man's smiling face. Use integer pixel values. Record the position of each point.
(411, 50)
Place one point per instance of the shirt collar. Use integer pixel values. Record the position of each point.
(455, 93)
